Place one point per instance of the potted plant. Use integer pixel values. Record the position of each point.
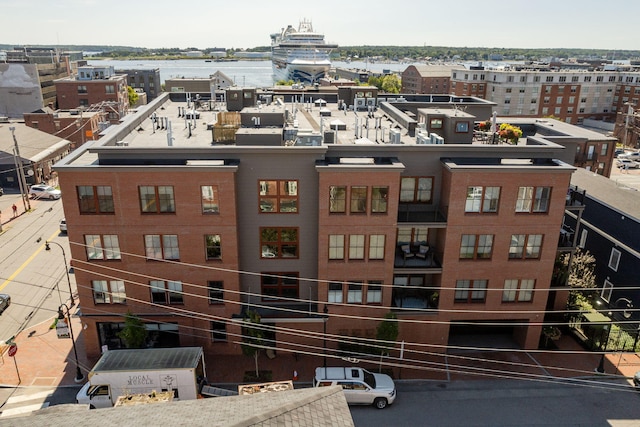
(510, 133)
(484, 126)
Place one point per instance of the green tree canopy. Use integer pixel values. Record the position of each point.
(134, 333)
(133, 96)
(252, 337)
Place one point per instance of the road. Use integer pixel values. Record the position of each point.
(504, 403)
(34, 277)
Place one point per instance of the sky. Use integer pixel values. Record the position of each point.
(201, 24)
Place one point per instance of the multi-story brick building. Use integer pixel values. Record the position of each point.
(95, 87)
(74, 125)
(146, 80)
(454, 238)
(434, 79)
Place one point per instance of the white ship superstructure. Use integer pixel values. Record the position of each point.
(300, 55)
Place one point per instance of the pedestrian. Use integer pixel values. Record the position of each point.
(15, 210)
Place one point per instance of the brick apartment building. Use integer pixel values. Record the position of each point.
(433, 79)
(73, 125)
(454, 238)
(95, 87)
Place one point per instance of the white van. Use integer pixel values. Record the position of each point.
(360, 386)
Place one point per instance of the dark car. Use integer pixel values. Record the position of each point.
(5, 301)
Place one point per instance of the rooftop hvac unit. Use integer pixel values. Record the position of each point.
(436, 139)
(394, 136)
(360, 103)
(329, 137)
(422, 138)
(371, 102)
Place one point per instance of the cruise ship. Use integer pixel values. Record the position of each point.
(300, 55)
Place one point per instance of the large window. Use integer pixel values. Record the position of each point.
(614, 259)
(213, 246)
(95, 199)
(354, 293)
(209, 196)
(166, 292)
(471, 291)
(374, 292)
(337, 199)
(335, 292)
(336, 246)
(279, 285)
(159, 246)
(356, 246)
(518, 290)
(416, 189)
(158, 199)
(379, 197)
(482, 199)
(525, 246)
(218, 331)
(358, 199)
(279, 242)
(278, 196)
(476, 246)
(108, 292)
(216, 292)
(533, 199)
(376, 246)
(102, 246)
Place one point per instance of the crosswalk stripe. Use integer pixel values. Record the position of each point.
(26, 397)
(23, 409)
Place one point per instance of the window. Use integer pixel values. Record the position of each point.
(533, 199)
(470, 291)
(279, 242)
(376, 246)
(482, 199)
(358, 199)
(462, 127)
(82, 89)
(95, 199)
(110, 89)
(335, 292)
(166, 292)
(549, 79)
(356, 246)
(476, 246)
(216, 292)
(416, 189)
(102, 246)
(603, 149)
(354, 293)
(158, 199)
(336, 246)
(337, 199)
(435, 123)
(108, 292)
(278, 196)
(607, 290)
(518, 290)
(525, 246)
(159, 246)
(218, 331)
(279, 285)
(213, 246)
(379, 199)
(614, 259)
(374, 292)
(210, 202)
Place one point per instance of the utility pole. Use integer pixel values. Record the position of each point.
(21, 177)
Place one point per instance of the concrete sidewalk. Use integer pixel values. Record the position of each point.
(43, 359)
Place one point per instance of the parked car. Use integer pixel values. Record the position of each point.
(627, 163)
(359, 385)
(634, 155)
(5, 302)
(1, 191)
(63, 225)
(636, 380)
(618, 152)
(44, 191)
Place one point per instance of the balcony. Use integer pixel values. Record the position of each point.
(575, 198)
(410, 255)
(419, 214)
(414, 299)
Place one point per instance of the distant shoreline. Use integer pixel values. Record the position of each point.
(170, 58)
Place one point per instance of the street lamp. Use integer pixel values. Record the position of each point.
(64, 257)
(324, 336)
(79, 377)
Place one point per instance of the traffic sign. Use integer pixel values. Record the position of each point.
(13, 349)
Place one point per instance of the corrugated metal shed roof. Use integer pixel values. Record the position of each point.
(149, 359)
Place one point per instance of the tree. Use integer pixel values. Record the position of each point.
(391, 83)
(134, 333)
(252, 337)
(579, 273)
(387, 334)
(133, 96)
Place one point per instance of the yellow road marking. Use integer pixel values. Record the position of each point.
(15, 273)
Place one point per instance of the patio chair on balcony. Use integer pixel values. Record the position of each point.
(406, 252)
(423, 250)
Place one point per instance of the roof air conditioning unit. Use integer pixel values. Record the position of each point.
(394, 136)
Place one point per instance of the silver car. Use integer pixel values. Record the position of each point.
(5, 302)
(44, 191)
